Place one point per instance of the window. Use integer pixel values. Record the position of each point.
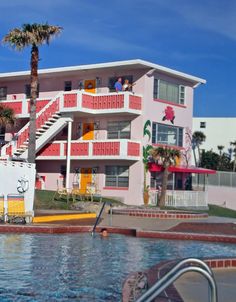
(202, 124)
(28, 91)
(169, 92)
(117, 176)
(112, 81)
(168, 135)
(156, 180)
(67, 86)
(118, 129)
(3, 93)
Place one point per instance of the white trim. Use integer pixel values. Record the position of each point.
(138, 62)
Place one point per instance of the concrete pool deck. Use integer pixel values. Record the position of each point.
(213, 229)
(192, 287)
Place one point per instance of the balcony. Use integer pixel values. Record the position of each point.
(79, 101)
(92, 150)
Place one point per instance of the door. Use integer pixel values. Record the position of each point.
(88, 131)
(85, 179)
(90, 86)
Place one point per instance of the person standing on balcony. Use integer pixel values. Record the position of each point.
(118, 85)
(126, 86)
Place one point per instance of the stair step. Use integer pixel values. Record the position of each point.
(41, 130)
(52, 119)
(49, 123)
(57, 115)
(19, 152)
(45, 126)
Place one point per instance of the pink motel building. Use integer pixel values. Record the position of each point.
(87, 133)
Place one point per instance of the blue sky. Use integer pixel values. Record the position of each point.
(196, 37)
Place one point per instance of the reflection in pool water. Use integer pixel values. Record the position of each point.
(79, 267)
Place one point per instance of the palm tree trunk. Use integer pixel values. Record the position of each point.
(234, 164)
(194, 155)
(33, 97)
(164, 187)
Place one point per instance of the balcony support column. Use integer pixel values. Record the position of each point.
(68, 155)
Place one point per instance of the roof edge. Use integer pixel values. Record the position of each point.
(194, 79)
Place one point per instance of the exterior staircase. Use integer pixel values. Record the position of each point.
(49, 122)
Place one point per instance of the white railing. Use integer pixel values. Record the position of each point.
(182, 199)
(186, 199)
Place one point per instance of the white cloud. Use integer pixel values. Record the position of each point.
(215, 16)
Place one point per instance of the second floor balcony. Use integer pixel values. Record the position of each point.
(80, 101)
(92, 150)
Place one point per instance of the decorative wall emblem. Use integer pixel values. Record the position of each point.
(169, 114)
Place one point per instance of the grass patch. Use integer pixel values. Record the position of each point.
(221, 212)
(213, 210)
(44, 200)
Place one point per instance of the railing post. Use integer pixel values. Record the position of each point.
(79, 100)
(68, 155)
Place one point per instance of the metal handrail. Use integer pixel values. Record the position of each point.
(99, 215)
(175, 273)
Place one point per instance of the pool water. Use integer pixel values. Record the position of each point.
(79, 267)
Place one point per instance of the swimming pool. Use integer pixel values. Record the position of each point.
(79, 267)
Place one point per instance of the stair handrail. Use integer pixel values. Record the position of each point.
(37, 115)
(177, 271)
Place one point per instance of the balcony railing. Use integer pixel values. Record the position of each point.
(109, 149)
(83, 101)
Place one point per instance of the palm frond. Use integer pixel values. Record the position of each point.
(146, 131)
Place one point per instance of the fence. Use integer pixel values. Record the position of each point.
(182, 199)
(221, 178)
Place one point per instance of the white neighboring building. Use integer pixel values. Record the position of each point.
(218, 131)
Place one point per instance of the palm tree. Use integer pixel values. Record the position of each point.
(197, 139)
(234, 150)
(220, 149)
(7, 118)
(32, 35)
(146, 154)
(166, 157)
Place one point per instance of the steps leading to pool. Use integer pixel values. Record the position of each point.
(155, 213)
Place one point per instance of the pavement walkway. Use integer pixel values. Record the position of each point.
(194, 288)
(156, 224)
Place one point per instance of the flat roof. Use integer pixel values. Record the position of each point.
(137, 63)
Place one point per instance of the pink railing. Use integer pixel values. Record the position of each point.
(16, 106)
(42, 117)
(135, 102)
(89, 149)
(70, 100)
(47, 113)
(40, 104)
(9, 150)
(50, 150)
(103, 101)
(106, 148)
(77, 149)
(133, 149)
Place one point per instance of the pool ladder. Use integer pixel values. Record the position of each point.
(97, 220)
(195, 265)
